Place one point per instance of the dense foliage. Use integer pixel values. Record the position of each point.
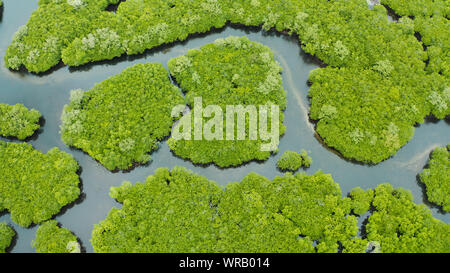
(368, 117)
(39, 44)
(179, 211)
(50, 238)
(120, 121)
(141, 24)
(436, 178)
(380, 81)
(292, 161)
(287, 214)
(17, 121)
(397, 88)
(229, 72)
(396, 224)
(429, 19)
(81, 31)
(362, 200)
(307, 160)
(35, 186)
(400, 225)
(171, 212)
(6, 234)
(419, 7)
(435, 34)
(367, 111)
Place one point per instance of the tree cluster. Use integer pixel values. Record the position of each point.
(120, 121)
(179, 211)
(17, 121)
(402, 82)
(50, 238)
(401, 226)
(436, 178)
(368, 117)
(35, 186)
(292, 161)
(7, 233)
(229, 72)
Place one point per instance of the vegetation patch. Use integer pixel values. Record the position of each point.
(419, 7)
(436, 178)
(35, 186)
(17, 121)
(139, 25)
(7, 234)
(362, 200)
(366, 116)
(120, 121)
(82, 31)
(39, 44)
(397, 89)
(287, 214)
(229, 72)
(171, 212)
(292, 161)
(399, 225)
(50, 238)
(435, 34)
(179, 211)
(429, 21)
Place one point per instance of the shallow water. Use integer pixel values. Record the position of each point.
(48, 93)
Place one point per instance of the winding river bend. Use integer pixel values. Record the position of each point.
(49, 92)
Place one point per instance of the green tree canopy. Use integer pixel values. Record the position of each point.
(50, 238)
(436, 178)
(399, 225)
(385, 76)
(419, 7)
(173, 211)
(179, 211)
(369, 117)
(292, 161)
(35, 186)
(229, 72)
(17, 121)
(7, 233)
(120, 121)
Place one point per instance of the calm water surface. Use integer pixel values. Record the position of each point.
(50, 92)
